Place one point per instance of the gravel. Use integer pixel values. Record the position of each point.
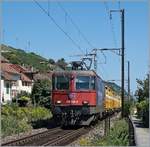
(97, 131)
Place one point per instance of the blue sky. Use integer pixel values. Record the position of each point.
(24, 22)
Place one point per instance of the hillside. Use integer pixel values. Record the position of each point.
(19, 56)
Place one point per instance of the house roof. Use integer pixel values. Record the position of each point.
(7, 68)
(11, 70)
(10, 76)
(22, 71)
(18, 68)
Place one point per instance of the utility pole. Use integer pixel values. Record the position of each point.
(128, 81)
(122, 57)
(122, 66)
(29, 45)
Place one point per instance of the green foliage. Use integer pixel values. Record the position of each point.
(40, 113)
(12, 125)
(127, 108)
(142, 95)
(22, 99)
(61, 63)
(118, 136)
(142, 91)
(19, 119)
(18, 56)
(84, 142)
(143, 111)
(51, 61)
(41, 93)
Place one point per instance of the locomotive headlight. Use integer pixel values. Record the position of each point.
(85, 102)
(58, 102)
(72, 95)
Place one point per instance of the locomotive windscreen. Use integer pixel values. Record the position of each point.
(85, 82)
(61, 82)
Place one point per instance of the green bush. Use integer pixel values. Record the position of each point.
(22, 99)
(143, 111)
(127, 106)
(39, 113)
(41, 93)
(118, 135)
(11, 125)
(19, 119)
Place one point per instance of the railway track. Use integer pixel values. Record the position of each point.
(66, 137)
(50, 137)
(29, 139)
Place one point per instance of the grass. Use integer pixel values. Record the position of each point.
(16, 119)
(118, 136)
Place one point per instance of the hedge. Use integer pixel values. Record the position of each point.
(16, 119)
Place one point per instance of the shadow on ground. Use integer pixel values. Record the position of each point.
(47, 123)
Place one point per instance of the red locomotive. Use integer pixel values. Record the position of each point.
(77, 97)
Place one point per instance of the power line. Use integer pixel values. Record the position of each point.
(78, 29)
(119, 6)
(48, 7)
(58, 26)
(111, 25)
(75, 25)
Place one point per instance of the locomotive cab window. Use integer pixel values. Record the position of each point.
(92, 83)
(61, 83)
(85, 83)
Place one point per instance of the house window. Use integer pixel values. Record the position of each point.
(3, 97)
(7, 88)
(14, 84)
(25, 83)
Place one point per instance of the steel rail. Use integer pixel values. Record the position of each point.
(65, 138)
(27, 139)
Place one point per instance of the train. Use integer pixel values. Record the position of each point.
(80, 97)
(112, 100)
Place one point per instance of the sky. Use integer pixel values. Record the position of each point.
(24, 22)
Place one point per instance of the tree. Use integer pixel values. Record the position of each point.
(142, 92)
(22, 98)
(61, 63)
(41, 93)
(51, 61)
(142, 95)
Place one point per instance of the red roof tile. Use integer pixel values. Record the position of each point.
(18, 68)
(6, 67)
(10, 69)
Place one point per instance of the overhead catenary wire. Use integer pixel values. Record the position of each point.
(111, 25)
(77, 28)
(61, 29)
(48, 7)
(75, 25)
(58, 26)
(119, 5)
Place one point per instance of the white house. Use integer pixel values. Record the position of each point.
(7, 79)
(14, 79)
(25, 82)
